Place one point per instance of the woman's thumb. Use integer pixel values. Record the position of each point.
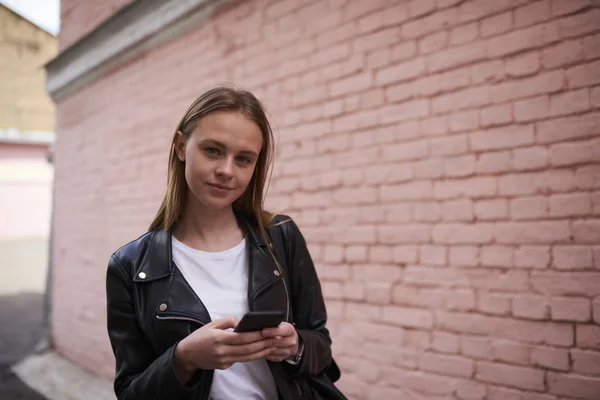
(224, 323)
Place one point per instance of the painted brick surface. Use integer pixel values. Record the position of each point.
(441, 158)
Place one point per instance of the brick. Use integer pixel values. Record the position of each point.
(461, 166)
(497, 24)
(399, 73)
(523, 65)
(532, 13)
(570, 309)
(551, 358)
(355, 253)
(529, 208)
(560, 7)
(494, 304)
(530, 158)
(510, 352)
(432, 255)
(433, 42)
(498, 161)
(596, 310)
(545, 82)
(446, 364)
(502, 138)
(579, 24)
(536, 108)
(416, 190)
(380, 254)
(352, 84)
(562, 54)
(378, 292)
(586, 231)
(462, 233)
(562, 154)
(532, 257)
(408, 234)
(497, 256)
(532, 232)
(445, 342)
(464, 99)
(458, 210)
(495, 209)
(502, 393)
(567, 128)
(408, 110)
(464, 256)
(426, 211)
(408, 317)
(476, 347)
(584, 284)
(570, 205)
(531, 183)
(588, 336)
(572, 257)
(510, 375)
(496, 115)
(470, 187)
(474, 10)
(372, 98)
(418, 8)
(406, 151)
(404, 254)
(464, 33)
(431, 23)
(583, 75)
(591, 46)
(595, 97)
(515, 41)
(569, 102)
(404, 51)
(333, 254)
(363, 312)
(571, 385)
(456, 56)
(464, 121)
(450, 145)
(586, 362)
(530, 307)
(588, 177)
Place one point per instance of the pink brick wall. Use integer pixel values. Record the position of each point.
(79, 17)
(440, 156)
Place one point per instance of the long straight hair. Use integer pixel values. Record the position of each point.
(251, 202)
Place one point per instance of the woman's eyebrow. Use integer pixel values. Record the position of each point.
(222, 145)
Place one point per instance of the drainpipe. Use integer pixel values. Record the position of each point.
(45, 342)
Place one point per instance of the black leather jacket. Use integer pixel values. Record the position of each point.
(142, 279)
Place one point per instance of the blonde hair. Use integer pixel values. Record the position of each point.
(251, 202)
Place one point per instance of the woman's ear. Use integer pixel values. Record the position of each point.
(180, 146)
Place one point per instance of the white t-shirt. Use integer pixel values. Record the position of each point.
(220, 279)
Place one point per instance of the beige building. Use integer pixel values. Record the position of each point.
(27, 117)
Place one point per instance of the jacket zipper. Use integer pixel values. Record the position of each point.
(181, 318)
(285, 288)
(298, 387)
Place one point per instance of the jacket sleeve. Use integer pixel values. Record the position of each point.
(308, 306)
(140, 374)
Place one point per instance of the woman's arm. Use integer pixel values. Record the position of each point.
(139, 374)
(310, 315)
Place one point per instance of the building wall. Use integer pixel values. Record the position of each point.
(440, 157)
(80, 17)
(25, 174)
(24, 49)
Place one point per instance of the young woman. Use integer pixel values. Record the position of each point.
(175, 293)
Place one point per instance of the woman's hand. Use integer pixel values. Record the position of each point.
(212, 347)
(286, 342)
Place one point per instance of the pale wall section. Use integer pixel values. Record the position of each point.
(441, 158)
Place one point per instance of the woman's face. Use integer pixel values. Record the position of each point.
(220, 156)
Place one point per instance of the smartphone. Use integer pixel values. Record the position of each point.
(258, 320)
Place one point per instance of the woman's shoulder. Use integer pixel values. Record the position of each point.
(135, 250)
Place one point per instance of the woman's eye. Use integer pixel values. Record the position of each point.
(211, 151)
(244, 160)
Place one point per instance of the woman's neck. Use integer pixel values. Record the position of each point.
(208, 230)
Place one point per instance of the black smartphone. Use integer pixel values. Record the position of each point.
(258, 320)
